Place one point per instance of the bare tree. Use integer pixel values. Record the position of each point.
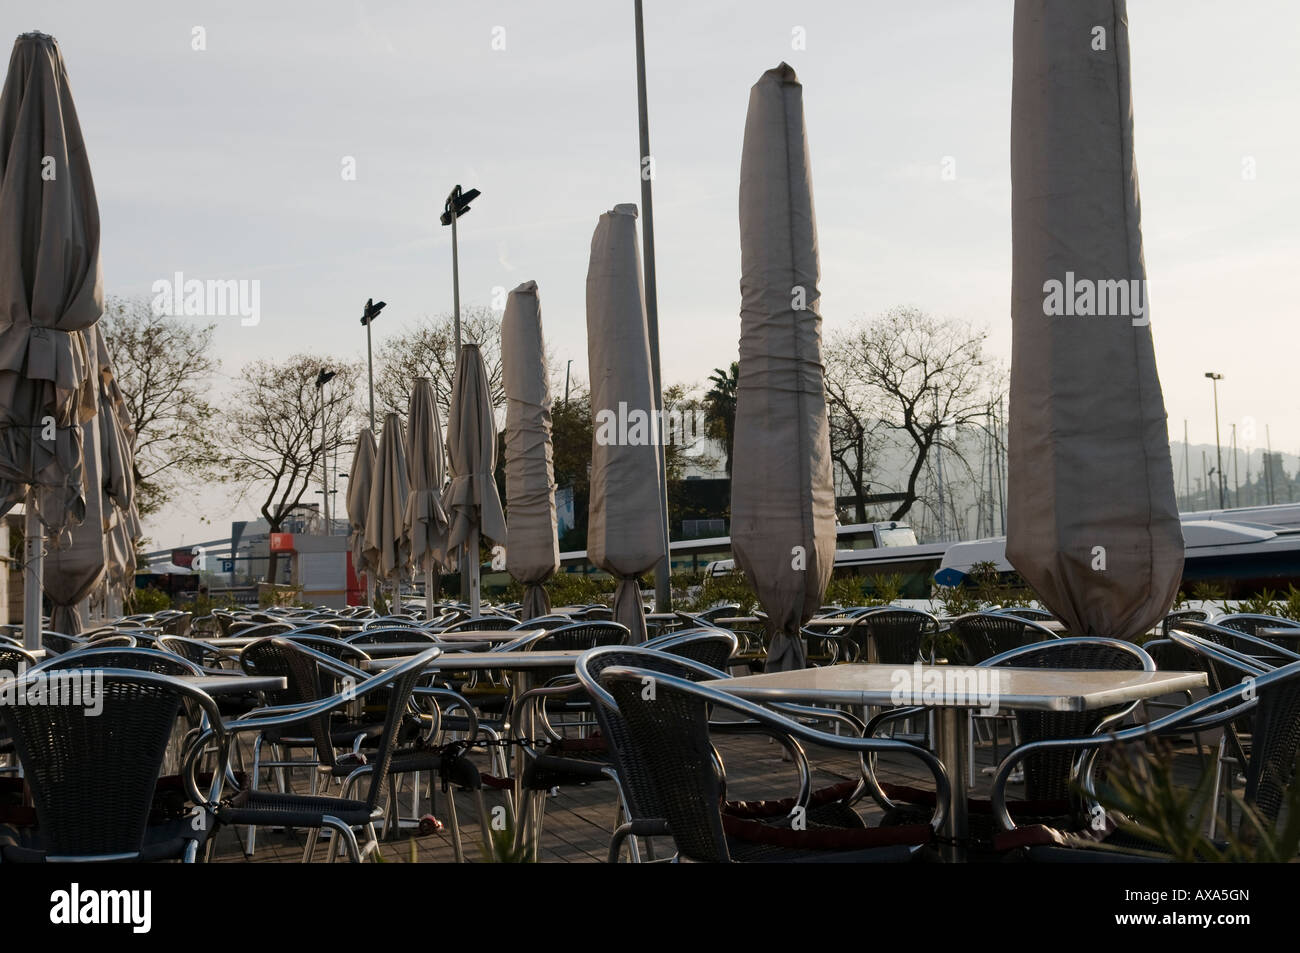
(164, 366)
(931, 377)
(428, 349)
(281, 423)
(856, 424)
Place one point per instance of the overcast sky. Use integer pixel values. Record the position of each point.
(227, 162)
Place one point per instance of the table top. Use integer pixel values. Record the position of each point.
(477, 661)
(485, 635)
(392, 649)
(959, 686)
(738, 620)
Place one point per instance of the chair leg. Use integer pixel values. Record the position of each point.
(312, 836)
(458, 849)
(1218, 779)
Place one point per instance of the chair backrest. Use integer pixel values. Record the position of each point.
(390, 622)
(14, 659)
(708, 646)
(1236, 639)
(57, 642)
(547, 622)
(666, 765)
(719, 612)
(893, 636)
(307, 670)
(1181, 615)
(986, 634)
(262, 630)
(92, 769)
(119, 640)
(1026, 612)
(1252, 622)
(1048, 773)
(138, 659)
(581, 635)
(194, 650)
(389, 634)
(487, 623)
(329, 630)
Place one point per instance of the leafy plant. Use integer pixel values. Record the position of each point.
(1262, 603)
(733, 587)
(1208, 592)
(1142, 797)
(147, 600)
(502, 849)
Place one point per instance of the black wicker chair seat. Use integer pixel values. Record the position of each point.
(269, 808)
(166, 840)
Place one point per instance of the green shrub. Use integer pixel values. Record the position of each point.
(733, 587)
(148, 600)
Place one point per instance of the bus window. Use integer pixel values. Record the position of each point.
(898, 536)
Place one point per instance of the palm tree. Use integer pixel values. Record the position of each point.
(720, 406)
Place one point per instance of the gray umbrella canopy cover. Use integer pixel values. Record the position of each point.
(782, 494)
(1092, 524)
(534, 551)
(625, 509)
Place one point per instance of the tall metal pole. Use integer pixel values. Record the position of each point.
(568, 367)
(33, 574)
(1236, 482)
(455, 286)
(370, 373)
(465, 557)
(1218, 447)
(324, 461)
(663, 592)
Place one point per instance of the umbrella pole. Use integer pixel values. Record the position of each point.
(428, 592)
(471, 559)
(34, 575)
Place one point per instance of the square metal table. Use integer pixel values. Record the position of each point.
(959, 692)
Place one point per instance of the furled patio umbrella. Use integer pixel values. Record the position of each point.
(782, 495)
(388, 544)
(1092, 524)
(625, 509)
(534, 552)
(360, 479)
(426, 520)
(50, 289)
(471, 501)
(77, 563)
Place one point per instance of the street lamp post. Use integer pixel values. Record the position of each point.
(457, 204)
(368, 316)
(1218, 447)
(323, 378)
(663, 591)
(567, 368)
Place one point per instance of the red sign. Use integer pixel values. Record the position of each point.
(183, 558)
(282, 542)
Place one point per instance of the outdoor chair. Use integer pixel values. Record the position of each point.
(1251, 623)
(643, 817)
(93, 776)
(982, 635)
(667, 751)
(255, 808)
(708, 646)
(1226, 655)
(1270, 696)
(269, 657)
(1049, 795)
(1182, 615)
